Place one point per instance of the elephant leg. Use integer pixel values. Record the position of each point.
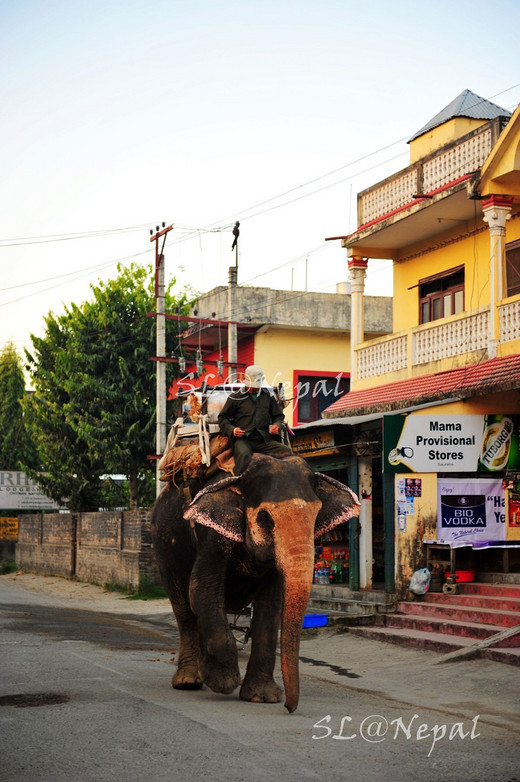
(187, 676)
(175, 554)
(259, 685)
(219, 663)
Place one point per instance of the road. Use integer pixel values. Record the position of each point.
(86, 696)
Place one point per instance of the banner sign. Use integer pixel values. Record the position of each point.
(470, 511)
(19, 492)
(314, 444)
(8, 527)
(451, 443)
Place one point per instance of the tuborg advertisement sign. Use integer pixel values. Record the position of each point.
(451, 443)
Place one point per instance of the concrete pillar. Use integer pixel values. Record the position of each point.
(160, 436)
(497, 210)
(365, 521)
(357, 273)
(232, 327)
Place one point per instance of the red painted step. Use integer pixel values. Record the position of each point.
(460, 613)
(445, 623)
(494, 590)
(430, 624)
(475, 601)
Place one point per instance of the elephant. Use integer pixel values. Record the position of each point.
(245, 539)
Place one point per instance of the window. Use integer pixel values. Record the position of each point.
(441, 295)
(315, 392)
(513, 268)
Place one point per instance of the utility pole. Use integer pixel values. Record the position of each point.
(232, 300)
(160, 402)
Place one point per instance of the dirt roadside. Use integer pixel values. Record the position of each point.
(79, 593)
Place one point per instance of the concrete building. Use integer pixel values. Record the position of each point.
(300, 339)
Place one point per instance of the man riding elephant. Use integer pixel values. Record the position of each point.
(252, 418)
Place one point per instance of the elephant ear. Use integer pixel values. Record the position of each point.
(339, 504)
(220, 506)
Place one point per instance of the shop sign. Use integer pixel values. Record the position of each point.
(19, 492)
(470, 511)
(451, 443)
(315, 444)
(514, 509)
(8, 528)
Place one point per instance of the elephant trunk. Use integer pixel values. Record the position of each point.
(295, 558)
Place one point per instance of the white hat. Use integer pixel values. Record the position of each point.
(253, 376)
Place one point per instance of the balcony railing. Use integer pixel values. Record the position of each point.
(445, 166)
(455, 336)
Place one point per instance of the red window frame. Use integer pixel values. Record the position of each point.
(339, 379)
(435, 290)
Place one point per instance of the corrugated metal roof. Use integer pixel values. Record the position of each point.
(497, 374)
(467, 104)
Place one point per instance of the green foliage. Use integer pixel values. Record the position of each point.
(8, 566)
(93, 409)
(15, 445)
(148, 589)
(113, 586)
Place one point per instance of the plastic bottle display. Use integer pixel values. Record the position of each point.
(331, 565)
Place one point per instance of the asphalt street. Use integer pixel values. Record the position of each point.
(85, 695)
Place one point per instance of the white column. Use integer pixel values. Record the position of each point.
(357, 273)
(497, 211)
(365, 522)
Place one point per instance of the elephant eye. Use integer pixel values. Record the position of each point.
(265, 521)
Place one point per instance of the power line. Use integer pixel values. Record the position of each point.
(63, 237)
(80, 274)
(330, 173)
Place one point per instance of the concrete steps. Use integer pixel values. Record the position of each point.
(345, 607)
(447, 623)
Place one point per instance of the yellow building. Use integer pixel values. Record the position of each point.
(437, 401)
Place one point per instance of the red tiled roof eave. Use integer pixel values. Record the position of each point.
(498, 374)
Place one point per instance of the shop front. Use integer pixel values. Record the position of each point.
(439, 487)
(456, 477)
(360, 554)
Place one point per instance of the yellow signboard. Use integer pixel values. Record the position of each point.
(314, 444)
(8, 528)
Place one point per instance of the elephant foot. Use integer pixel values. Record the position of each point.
(220, 678)
(187, 678)
(260, 690)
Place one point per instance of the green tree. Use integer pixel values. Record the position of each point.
(15, 445)
(93, 409)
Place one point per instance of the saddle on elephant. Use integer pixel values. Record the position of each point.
(195, 446)
(184, 459)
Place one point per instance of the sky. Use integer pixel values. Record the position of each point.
(117, 115)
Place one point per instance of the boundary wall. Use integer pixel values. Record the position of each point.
(94, 547)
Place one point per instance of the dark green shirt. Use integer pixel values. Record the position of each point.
(253, 413)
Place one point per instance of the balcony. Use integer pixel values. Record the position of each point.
(414, 204)
(420, 350)
(425, 176)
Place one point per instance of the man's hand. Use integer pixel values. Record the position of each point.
(238, 432)
(274, 429)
